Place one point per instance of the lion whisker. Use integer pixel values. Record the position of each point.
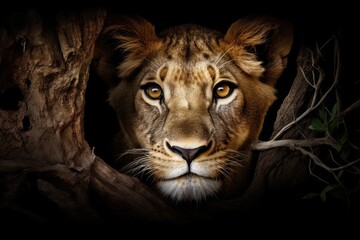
(234, 159)
(218, 59)
(223, 171)
(236, 162)
(232, 60)
(135, 151)
(136, 165)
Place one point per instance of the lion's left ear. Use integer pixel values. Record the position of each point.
(136, 38)
(268, 38)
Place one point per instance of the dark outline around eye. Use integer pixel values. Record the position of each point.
(147, 85)
(231, 85)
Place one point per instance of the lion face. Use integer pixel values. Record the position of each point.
(190, 103)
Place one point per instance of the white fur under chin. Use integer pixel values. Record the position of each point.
(189, 188)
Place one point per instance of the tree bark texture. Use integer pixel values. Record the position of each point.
(44, 67)
(48, 173)
(44, 71)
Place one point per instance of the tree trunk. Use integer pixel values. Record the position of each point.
(44, 71)
(44, 65)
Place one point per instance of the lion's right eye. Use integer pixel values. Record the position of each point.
(152, 91)
(224, 89)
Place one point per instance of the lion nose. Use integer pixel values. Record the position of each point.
(189, 154)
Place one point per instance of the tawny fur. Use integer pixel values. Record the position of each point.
(186, 63)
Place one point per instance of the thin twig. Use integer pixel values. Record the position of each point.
(314, 175)
(314, 105)
(315, 158)
(291, 143)
(305, 145)
(353, 107)
(320, 163)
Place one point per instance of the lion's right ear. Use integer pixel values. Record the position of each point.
(136, 38)
(249, 35)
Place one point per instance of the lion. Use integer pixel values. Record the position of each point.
(191, 101)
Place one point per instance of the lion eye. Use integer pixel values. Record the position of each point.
(224, 89)
(152, 91)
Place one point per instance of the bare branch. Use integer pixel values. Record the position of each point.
(320, 163)
(302, 145)
(314, 175)
(314, 103)
(292, 143)
(353, 107)
(313, 157)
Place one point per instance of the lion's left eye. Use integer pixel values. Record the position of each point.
(153, 91)
(224, 89)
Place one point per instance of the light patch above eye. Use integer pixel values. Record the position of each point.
(212, 72)
(163, 72)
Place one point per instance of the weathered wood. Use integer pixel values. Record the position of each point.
(126, 197)
(44, 70)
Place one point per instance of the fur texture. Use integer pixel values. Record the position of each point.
(194, 141)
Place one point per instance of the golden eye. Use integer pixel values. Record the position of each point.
(224, 89)
(153, 91)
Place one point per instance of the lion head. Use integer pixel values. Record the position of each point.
(191, 101)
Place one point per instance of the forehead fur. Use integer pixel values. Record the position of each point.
(191, 43)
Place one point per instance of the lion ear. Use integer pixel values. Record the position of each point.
(136, 37)
(264, 44)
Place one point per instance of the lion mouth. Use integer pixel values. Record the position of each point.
(189, 186)
(188, 175)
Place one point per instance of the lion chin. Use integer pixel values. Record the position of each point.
(189, 187)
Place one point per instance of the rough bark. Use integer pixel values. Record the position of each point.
(44, 71)
(44, 66)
